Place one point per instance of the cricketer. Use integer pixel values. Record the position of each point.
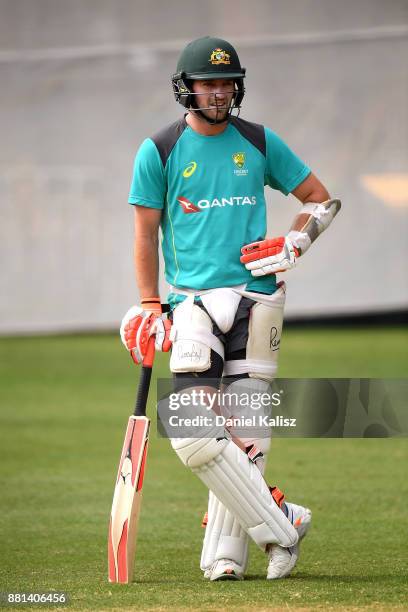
(201, 181)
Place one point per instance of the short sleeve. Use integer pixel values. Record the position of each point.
(284, 170)
(148, 186)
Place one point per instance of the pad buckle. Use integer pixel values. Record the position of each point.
(277, 495)
(253, 453)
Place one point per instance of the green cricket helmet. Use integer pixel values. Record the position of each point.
(204, 59)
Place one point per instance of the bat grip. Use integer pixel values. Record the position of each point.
(144, 382)
(143, 391)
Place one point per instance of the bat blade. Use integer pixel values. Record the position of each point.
(127, 501)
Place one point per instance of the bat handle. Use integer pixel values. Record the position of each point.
(144, 383)
(149, 357)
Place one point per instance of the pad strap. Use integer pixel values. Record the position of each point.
(253, 453)
(243, 366)
(277, 495)
(198, 334)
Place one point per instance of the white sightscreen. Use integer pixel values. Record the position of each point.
(83, 84)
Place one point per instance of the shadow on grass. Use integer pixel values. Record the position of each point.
(346, 578)
(299, 577)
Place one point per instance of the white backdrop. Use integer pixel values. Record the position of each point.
(84, 82)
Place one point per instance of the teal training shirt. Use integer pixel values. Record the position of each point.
(211, 192)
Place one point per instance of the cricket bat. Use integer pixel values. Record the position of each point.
(127, 497)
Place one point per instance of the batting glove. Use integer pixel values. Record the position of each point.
(139, 324)
(269, 256)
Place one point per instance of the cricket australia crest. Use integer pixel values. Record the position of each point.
(239, 161)
(219, 56)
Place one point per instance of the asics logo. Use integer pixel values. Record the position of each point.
(190, 169)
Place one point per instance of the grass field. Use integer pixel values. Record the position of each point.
(64, 407)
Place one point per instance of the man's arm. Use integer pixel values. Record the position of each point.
(311, 190)
(279, 254)
(141, 322)
(146, 254)
(317, 214)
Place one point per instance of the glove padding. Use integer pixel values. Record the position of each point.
(269, 256)
(138, 326)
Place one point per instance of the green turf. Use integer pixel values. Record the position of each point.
(64, 407)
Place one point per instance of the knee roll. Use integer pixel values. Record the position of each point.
(196, 452)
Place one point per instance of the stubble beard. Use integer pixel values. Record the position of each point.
(218, 114)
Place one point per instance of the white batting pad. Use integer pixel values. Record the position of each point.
(264, 337)
(192, 338)
(226, 470)
(224, 537)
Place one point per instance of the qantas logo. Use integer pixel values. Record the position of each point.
(189, 207)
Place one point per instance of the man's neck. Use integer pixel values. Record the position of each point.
(204, 128)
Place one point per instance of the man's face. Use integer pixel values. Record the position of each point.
(215, 96)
